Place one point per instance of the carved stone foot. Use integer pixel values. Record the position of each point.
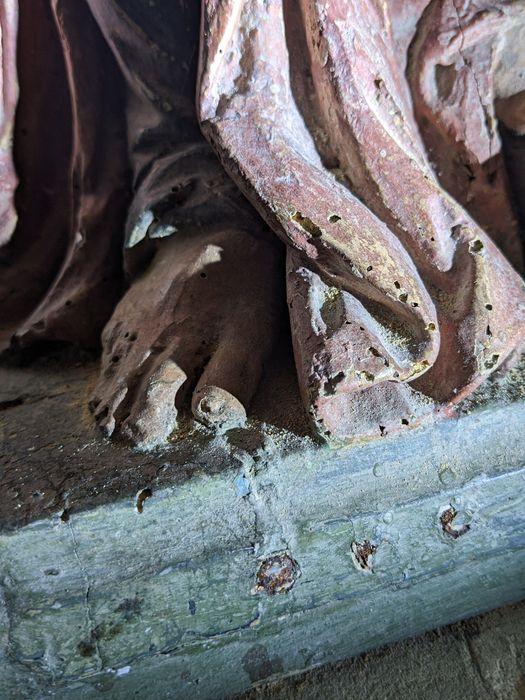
(198, 323)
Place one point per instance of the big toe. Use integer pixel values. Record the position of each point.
(153, 416)
(217, 408)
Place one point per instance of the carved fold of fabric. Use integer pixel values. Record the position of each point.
(348, 363)
(30, 260)
(479, 298)
(8, 102)
(354, 273)
(177, 180)
(87, 284)
(358, 270)
(458, 68)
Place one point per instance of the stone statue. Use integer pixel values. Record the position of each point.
(351, 163)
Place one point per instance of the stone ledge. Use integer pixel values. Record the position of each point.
(367, 545)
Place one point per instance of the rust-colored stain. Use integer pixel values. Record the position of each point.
(277, 574)
(142, 495)
(447, 524)
(362, 552)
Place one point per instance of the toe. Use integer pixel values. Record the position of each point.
(231, 377)
(217, 408)
(154, 414)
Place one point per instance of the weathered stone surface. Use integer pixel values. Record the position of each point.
(308, 107)
(482, 657)
(400, 304)
(54, 458)
(102, 599)
(461, 64)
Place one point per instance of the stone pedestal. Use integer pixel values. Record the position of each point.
(227, 560)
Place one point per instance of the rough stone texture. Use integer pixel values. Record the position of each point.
(399, 301)
(480, 658)
(53, 456)
(227, 560)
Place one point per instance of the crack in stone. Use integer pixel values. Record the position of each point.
(261, 505)
(89, 617)
(469, 68)
(218, 635)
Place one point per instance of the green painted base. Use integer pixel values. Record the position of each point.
(278, 557)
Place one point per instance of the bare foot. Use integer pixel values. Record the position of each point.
(196, 326)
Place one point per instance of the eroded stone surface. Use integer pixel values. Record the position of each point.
(99, 599)
(303, 143)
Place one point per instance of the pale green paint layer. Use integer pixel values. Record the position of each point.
(161, 604)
